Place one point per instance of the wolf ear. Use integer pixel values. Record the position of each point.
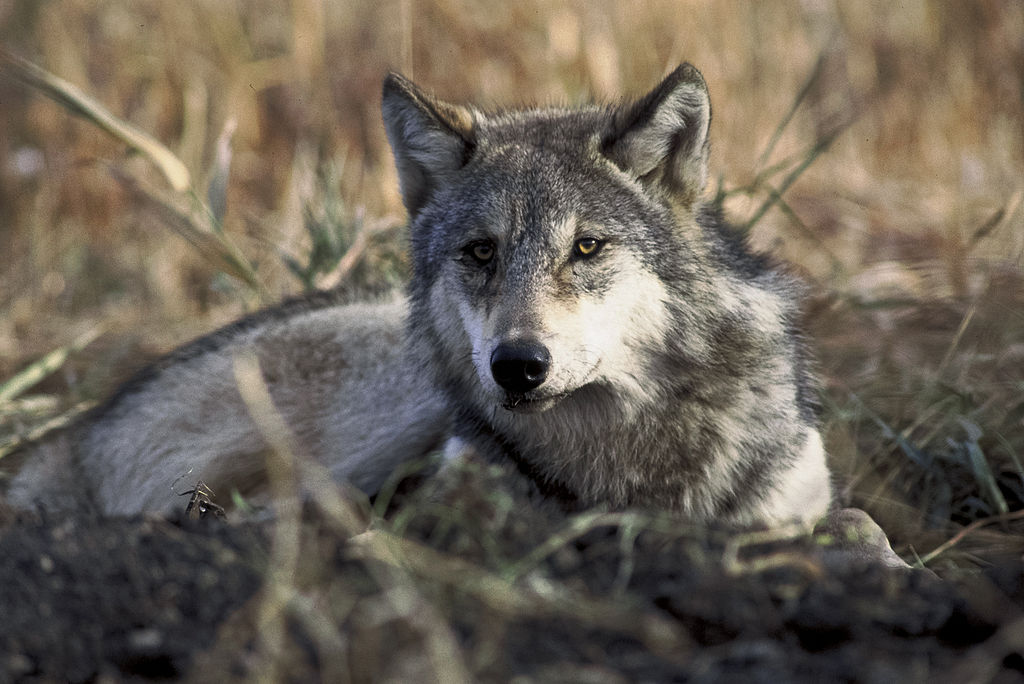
(430, 139)
(662, 139)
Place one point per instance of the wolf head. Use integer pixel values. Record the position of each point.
(543, 240)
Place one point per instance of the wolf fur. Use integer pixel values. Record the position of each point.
(575, 310)
(336, 371)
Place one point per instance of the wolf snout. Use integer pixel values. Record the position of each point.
(520, 366)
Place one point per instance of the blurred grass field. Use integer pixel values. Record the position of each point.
(908, 228)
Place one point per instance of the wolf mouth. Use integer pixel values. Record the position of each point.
(525, 403)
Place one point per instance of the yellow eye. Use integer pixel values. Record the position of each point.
(482, 251)
(587, 246)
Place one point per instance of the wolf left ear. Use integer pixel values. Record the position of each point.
(430, 139)
(662, 139)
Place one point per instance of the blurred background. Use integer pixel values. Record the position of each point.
(876, 146)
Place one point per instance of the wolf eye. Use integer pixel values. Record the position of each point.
(482, 252)
(587, 247)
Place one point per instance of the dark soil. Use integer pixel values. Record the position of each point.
(441, 590)
(121, 597)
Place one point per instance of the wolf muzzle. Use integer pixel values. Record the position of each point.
(520, 365)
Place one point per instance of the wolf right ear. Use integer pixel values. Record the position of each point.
(430, 139)
(662, 139)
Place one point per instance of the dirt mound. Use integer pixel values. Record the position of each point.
(478, 584)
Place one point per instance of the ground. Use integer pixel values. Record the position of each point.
(455, 587)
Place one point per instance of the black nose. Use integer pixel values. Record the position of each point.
(521, 365)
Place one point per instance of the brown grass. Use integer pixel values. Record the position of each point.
(909, 229)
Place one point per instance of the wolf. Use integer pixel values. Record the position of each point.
(577, 310)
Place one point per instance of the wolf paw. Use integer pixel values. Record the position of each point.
(849, 536)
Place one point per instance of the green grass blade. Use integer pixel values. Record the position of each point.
(217, 188)
(38, 371)
(216, 247)
(816, 151)
(777, 134)
(9, 444)
(981, 469)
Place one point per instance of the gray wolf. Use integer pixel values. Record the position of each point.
(575, 310)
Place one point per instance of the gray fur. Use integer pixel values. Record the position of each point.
(676, 377)
(337, 373)
(662, 368)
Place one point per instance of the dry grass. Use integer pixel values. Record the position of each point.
(909, 227)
